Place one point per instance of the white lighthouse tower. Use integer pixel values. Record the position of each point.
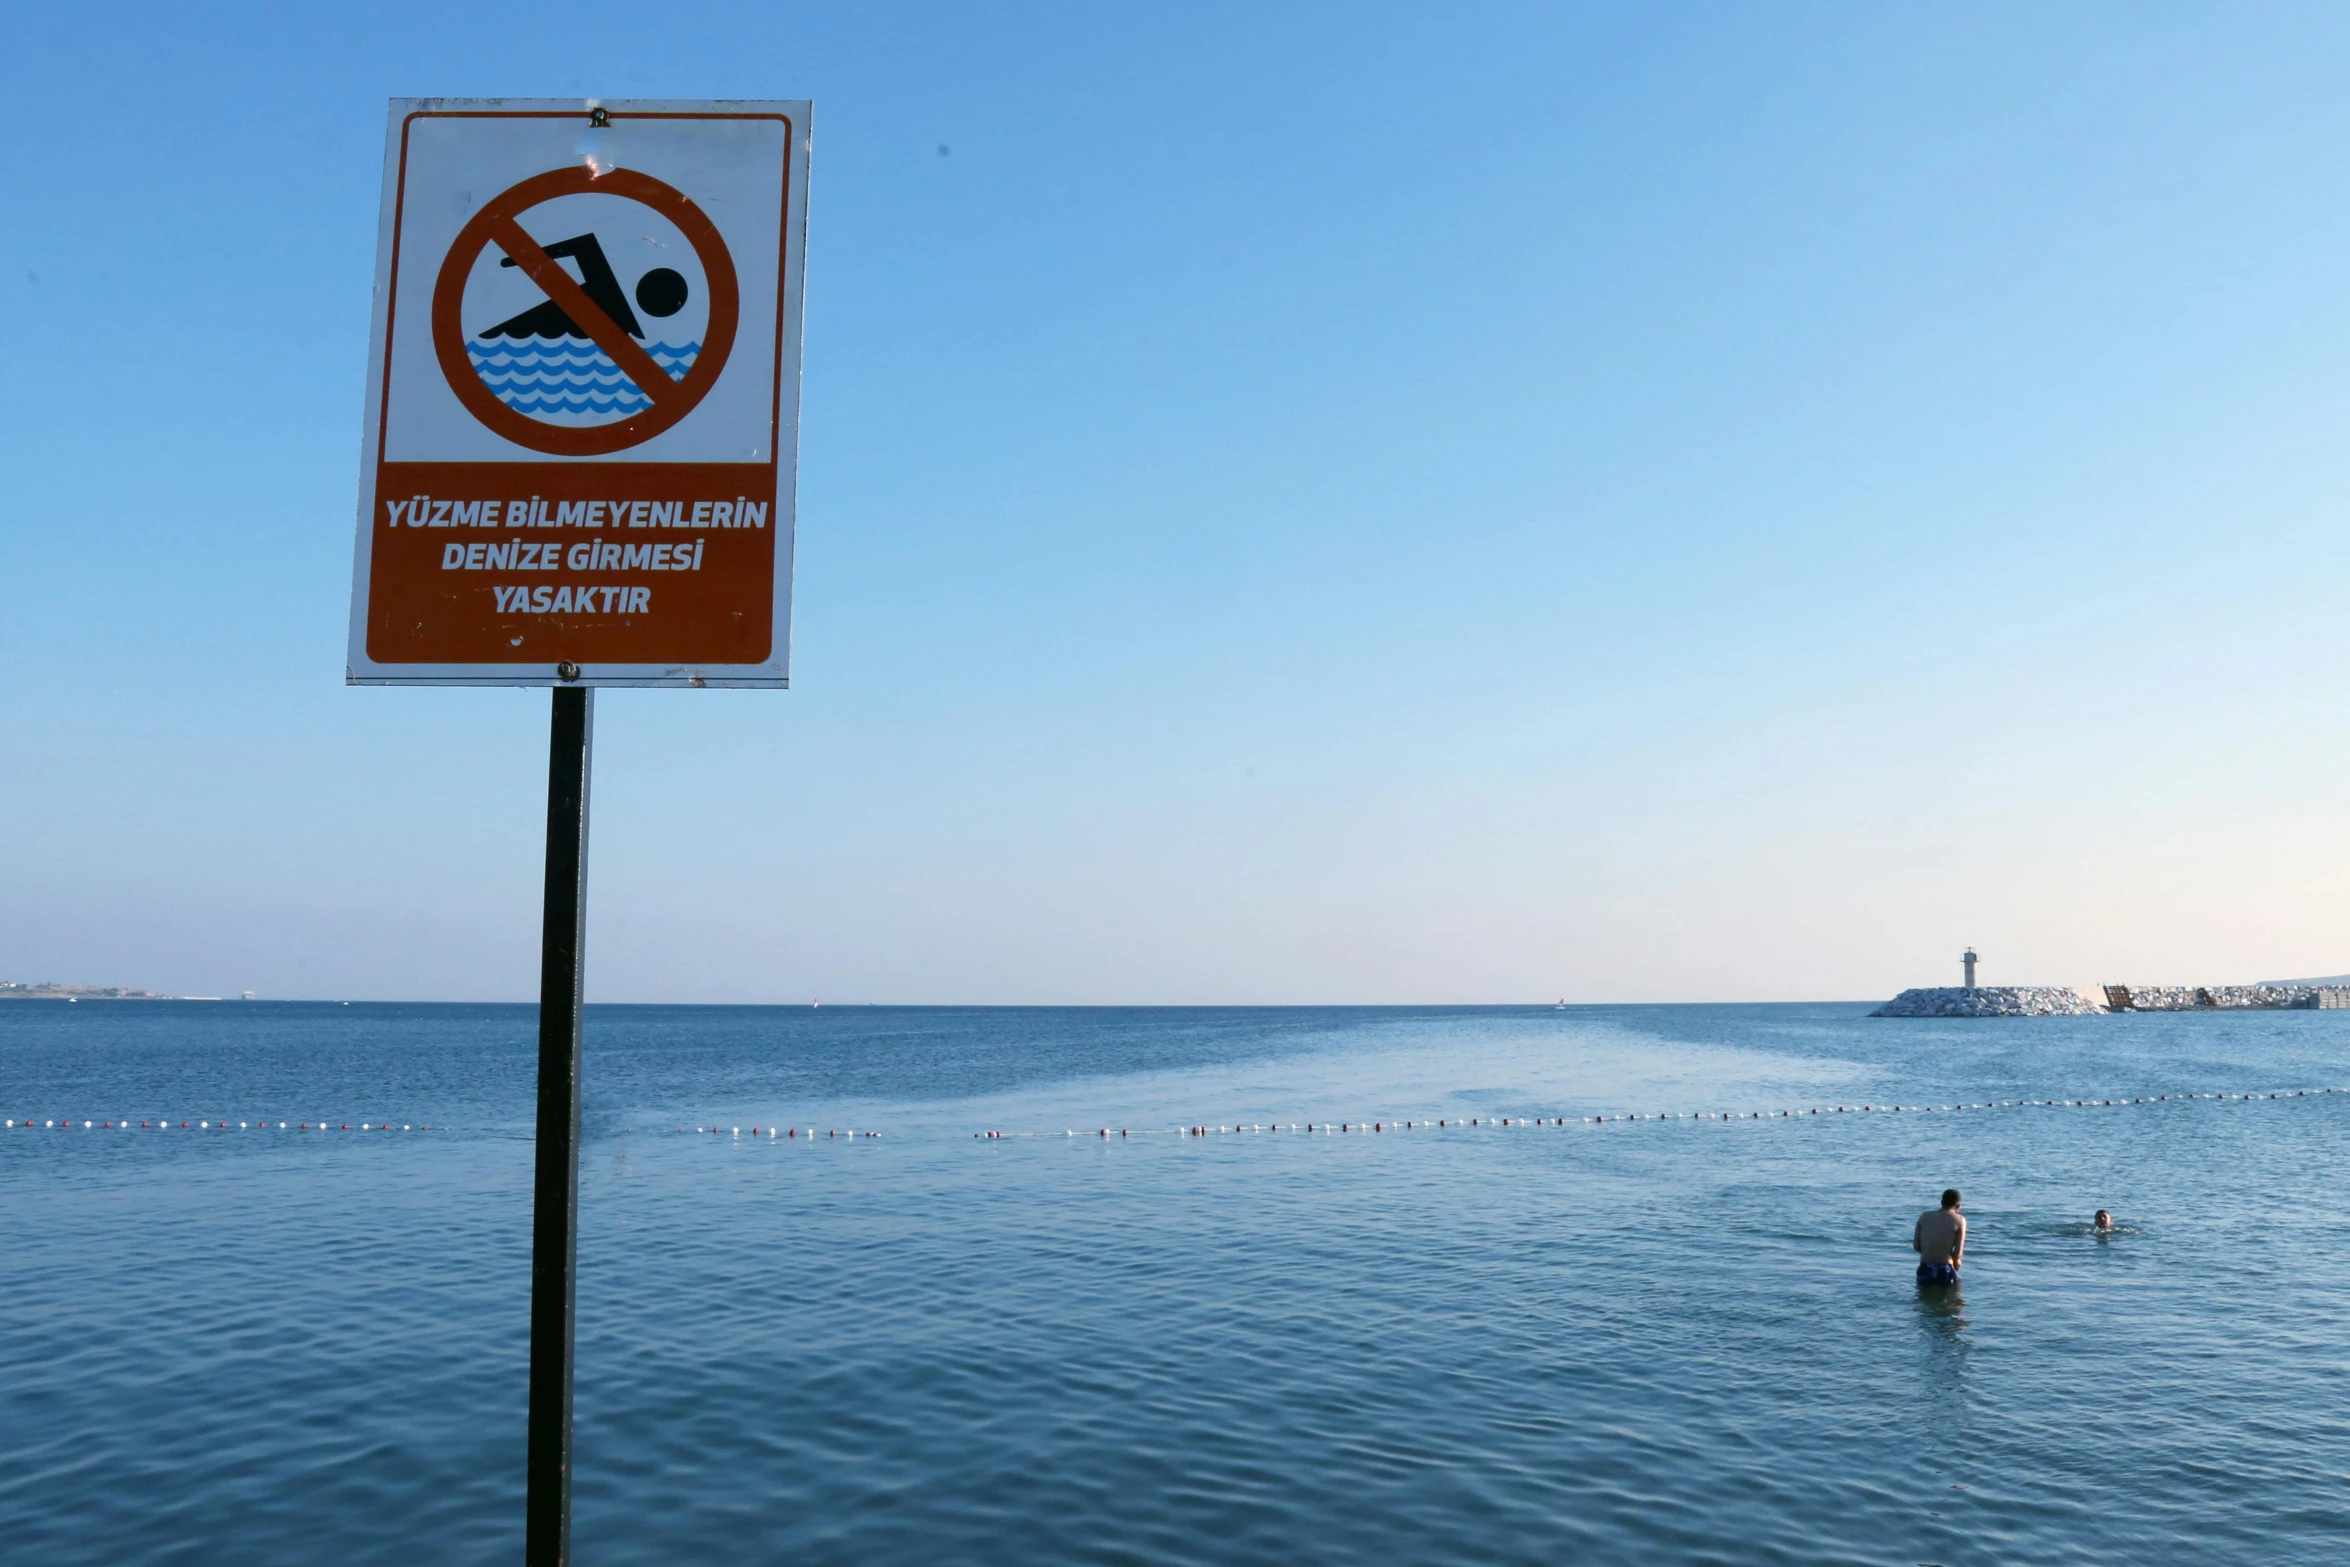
(1969, 961)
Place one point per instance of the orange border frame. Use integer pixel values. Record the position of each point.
(771, 672)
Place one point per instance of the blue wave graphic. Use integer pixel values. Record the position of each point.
(578, 348)
(576, 405)
(570, 377)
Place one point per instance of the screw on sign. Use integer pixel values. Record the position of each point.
(584, 396)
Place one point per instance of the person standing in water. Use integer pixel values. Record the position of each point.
(1940, 1241)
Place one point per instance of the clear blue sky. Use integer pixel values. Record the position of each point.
(1348, 503)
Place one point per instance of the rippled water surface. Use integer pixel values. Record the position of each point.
(1637, 1341)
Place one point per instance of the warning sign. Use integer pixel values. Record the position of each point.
(583, 395)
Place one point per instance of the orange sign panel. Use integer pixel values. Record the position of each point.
(583, 403)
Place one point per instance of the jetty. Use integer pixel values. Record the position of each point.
(1973, 1000)
(1990, 1001)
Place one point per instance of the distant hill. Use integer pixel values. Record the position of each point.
(2323, 979)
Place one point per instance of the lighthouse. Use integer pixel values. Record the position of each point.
(1969, 961)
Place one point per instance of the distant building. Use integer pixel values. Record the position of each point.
(1969, 961)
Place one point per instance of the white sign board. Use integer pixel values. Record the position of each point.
(583, 394)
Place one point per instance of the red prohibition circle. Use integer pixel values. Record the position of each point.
(495, 224)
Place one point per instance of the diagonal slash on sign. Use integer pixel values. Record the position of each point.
(548, 274)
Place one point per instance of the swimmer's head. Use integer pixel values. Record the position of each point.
(2104, 1220)
(1950, 1198)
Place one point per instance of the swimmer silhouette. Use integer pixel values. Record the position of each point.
(660, 292)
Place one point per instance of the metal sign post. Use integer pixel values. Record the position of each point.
(578, 466)
(554, 1238)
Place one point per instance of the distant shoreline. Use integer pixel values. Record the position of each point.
(11, 991)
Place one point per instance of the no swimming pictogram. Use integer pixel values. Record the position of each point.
(591, 311)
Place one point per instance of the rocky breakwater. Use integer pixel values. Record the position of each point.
(2201, 998)
(1990, 1001)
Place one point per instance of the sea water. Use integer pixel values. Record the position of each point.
(1653, 1341)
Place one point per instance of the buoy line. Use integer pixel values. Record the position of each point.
(1374, 1125)
(768, 1132)
(123, 1124)
(1381, 1126)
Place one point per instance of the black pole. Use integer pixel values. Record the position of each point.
(555, 1201)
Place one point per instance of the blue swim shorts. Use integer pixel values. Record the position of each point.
(1936, 1273)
